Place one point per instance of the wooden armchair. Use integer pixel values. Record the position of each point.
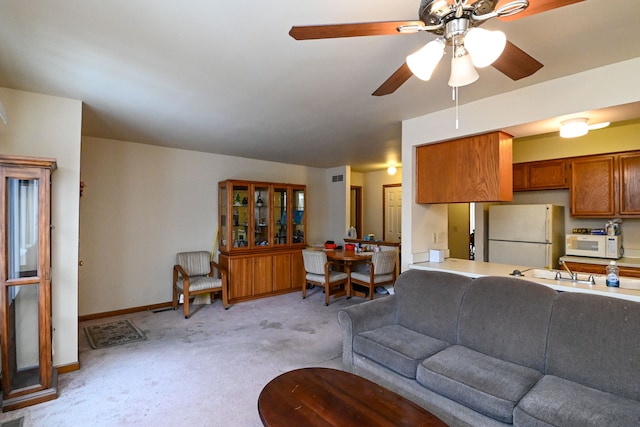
(194, 274)
(382, 271)
(318, 272)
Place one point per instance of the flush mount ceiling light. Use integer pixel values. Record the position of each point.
(574, 128)
(392, 170)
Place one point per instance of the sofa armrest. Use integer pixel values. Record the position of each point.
(364, 317)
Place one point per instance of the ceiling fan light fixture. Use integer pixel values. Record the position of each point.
(574, 128)
(423, 62)
(484, 46)
(462, 70)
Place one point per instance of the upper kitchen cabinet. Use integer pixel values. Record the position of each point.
(629, 172)
(540, 175)
(605, 186)
(472, 169)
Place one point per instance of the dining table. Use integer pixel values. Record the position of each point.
(347, 259)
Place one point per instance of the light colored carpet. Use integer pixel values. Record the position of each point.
(204, 371)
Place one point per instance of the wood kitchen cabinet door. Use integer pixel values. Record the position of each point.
(473, 169)
(540, 175)
(629, 176)
(593, 186)
(281, 271)
(262, 274)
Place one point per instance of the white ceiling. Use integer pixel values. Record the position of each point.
(225, 77)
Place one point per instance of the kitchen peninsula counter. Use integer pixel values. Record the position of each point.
(476, 269)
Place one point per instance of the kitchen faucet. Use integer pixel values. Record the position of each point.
(573, 276)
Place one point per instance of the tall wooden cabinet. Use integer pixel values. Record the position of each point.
(28, 376)
(262, 234)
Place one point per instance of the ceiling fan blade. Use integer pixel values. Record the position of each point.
(536, 6)
(396, 80)
(516, 63)
(313, 32)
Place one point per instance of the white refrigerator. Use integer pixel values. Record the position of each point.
(526, 235)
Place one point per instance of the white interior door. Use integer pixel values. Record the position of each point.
(392, 213)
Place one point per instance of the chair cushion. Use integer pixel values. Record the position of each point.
(195, 263)
(200, 283)
(556, 401)
(314, 261)
(483, 383)
(334, 276)
(397, 348)
(378, 278)
(384, 262)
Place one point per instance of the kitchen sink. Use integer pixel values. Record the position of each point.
(583, 278)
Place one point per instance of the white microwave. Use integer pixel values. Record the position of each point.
(590, 245)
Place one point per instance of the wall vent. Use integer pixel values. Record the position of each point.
(337, 178)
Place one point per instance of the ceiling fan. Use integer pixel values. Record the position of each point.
(456, 23)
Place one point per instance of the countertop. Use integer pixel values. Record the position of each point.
(478, 269)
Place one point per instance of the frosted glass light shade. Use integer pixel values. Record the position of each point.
(462, 71)
(484, 46)
(574, 128)
(424, 61)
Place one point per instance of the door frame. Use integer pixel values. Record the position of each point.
(358, 209)
(384, 206)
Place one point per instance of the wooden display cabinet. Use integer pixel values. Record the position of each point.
(262, 234)
(28, 375)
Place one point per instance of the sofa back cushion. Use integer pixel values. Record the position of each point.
(595, 341)
(429, 302)
(507, 318)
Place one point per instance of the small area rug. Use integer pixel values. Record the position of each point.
(113, 333)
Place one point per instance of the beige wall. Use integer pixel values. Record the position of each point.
(608, 86)
(142, 204)
(622, 136)
(372, 199)
(47, 126)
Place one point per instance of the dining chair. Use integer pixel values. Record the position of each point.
(381, 271)
(319, 273)
(195, 274)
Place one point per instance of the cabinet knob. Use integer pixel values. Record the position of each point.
(80, 263)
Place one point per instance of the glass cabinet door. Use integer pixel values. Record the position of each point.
(261, 215)
(240, 218)
(25, 286)
(224, 221)
(280, 216)
(298, 216)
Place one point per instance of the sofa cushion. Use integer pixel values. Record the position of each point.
(594, 340)
(507, 318)
(396, 347)
(558, 402)
(429, 302)
(483, 383)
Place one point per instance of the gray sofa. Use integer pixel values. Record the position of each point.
(497, 351)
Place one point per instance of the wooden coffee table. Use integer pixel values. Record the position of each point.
(328, 397)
